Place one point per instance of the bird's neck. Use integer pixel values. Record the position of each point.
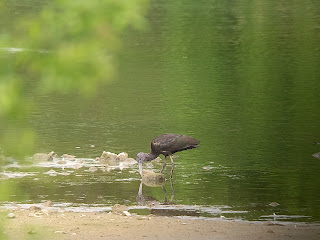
(150, 156)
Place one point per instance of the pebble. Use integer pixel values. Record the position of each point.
(11, 215)
(62, 162)
(92, 169)
(68, 157)
(35, 208)
(274, 204)
(126, 213)
(48, 204)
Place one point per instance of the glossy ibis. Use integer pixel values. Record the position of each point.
(167, 144)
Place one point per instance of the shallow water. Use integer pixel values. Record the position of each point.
(240, 76)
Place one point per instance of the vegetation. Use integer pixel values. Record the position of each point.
(67, 46)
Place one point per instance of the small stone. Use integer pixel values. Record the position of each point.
(42, 157)
(92, 169)
(119, 209)
(77, 166)
(48, 204)
(126, 213)
(35, 208)
(51, 171)
(62, 162)
(274, 204)
(53, 154)
(68, 157)
(11, 215)
(316, 155)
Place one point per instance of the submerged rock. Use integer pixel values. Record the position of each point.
(68, 157)
(274, 204)
(316, 155)
(151, 178)
(92, 169)
(42, 157)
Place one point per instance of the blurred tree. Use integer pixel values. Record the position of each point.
(67, 46)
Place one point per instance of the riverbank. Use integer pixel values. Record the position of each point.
(71, 225)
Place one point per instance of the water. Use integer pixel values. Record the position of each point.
(240, 76)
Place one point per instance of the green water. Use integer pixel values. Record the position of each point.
(243, 77)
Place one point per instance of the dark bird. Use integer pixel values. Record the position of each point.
(167, 144)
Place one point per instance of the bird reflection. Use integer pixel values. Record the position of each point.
(151, 201)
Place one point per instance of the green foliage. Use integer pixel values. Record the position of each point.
(67, 46)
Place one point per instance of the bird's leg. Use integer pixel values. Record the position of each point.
(172, 188)
(172, 163)
(164, 164)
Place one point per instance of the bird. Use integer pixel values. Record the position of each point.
(167, 144)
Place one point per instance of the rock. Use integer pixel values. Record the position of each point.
(129, 161)
(122, 156)
(274, 204)
(108, 158)
(151, 178)
(35, 208)
(48, 204)
(126, 213)
(68, 157)
(119, 209)
(92, 169)
(51, 171)
(77, 166)
(42, 157)
(11, 215)
(62, 162)
(53, 154)
(3, 177)
(316, 155)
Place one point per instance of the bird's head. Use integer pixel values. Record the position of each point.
(141, 158)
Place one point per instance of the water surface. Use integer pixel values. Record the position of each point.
(240, 76)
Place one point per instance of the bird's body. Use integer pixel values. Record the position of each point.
(167, 144)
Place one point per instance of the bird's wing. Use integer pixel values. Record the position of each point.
(170, 143)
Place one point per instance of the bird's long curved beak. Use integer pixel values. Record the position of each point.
(140, 168)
